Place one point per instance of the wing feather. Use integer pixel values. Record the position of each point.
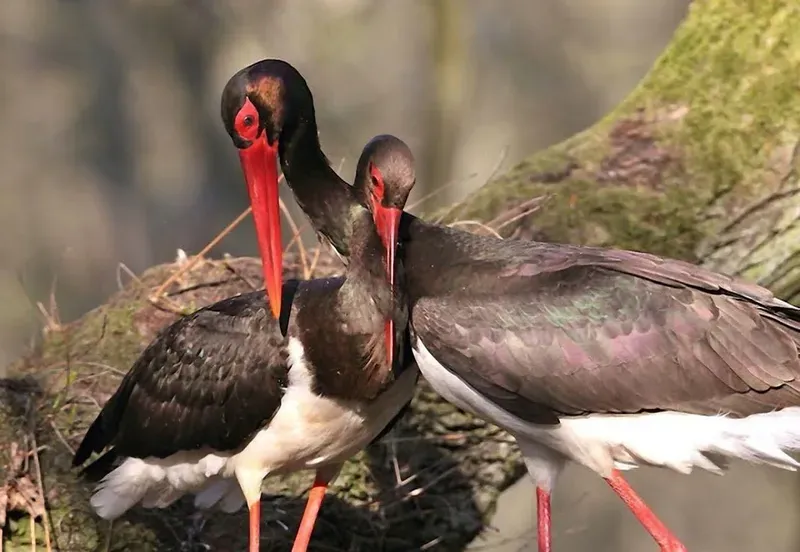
(615, 332)
(210, 380)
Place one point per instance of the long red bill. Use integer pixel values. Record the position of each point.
(387, 221)
(260, 167)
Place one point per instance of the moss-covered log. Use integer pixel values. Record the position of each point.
(700, 162)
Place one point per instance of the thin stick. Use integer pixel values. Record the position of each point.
(479, 224)
(314, 262)
(439, 190)
(60, 438)
(456, 206)
(195, 259)
(239, 275)
(49, 323)
(227, 230)
(296, 232)
(53, 303)
(40, 484)
(515, 213)
(122, 267)
(296, 236)
(498, 163)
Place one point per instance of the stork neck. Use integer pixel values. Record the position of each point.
(324, 197)
(366, 273)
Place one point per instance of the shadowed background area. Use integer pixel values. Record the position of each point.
(112, 151)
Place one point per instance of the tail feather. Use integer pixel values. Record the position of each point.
(214, 491)
(127, 485)
(682, 441)
(233, 501)
(762, 438)
(222, 493)
(161, 495)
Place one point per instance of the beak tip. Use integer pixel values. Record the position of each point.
(275, 306)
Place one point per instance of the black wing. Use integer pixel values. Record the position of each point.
(211, 379)
(580, 330)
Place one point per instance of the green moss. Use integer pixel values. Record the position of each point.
(718, 108)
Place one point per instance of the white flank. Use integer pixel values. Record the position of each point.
(307, 431)
(603, 442)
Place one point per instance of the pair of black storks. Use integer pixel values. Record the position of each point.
(608, 358)
(242, 389)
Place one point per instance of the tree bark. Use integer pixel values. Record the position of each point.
(699, 163)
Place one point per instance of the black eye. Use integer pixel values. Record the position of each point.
(248, 121)
(375, 181)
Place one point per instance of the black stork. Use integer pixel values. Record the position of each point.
(608, 358)
(221, 396)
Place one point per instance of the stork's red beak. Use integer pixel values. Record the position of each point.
(387, 222)
(260, 167)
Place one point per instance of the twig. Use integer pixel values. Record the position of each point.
(296, 236)
(514, 214)
(341, 166)
(239, 275)
(40, 485)
(295, 233)
(439, 190)
(492, 174)
(455, 205)
(498, 164)
(50, 324)
(477, 223)
(53, 303)
(314, 262)
(157, 295)
(60, 438)
(430, 544)
(122, 267)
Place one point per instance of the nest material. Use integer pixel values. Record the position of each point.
(428, 485)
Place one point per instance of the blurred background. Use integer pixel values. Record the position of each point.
(112, 151)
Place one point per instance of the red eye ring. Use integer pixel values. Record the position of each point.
(248, 121)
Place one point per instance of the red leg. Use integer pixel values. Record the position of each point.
(543, 519)
(310, 515)
(255, 526)
(663, 537)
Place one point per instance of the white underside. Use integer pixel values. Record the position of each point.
(307, 432)
(603, 442)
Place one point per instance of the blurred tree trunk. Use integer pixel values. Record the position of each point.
(450, 79)
(700, 162)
